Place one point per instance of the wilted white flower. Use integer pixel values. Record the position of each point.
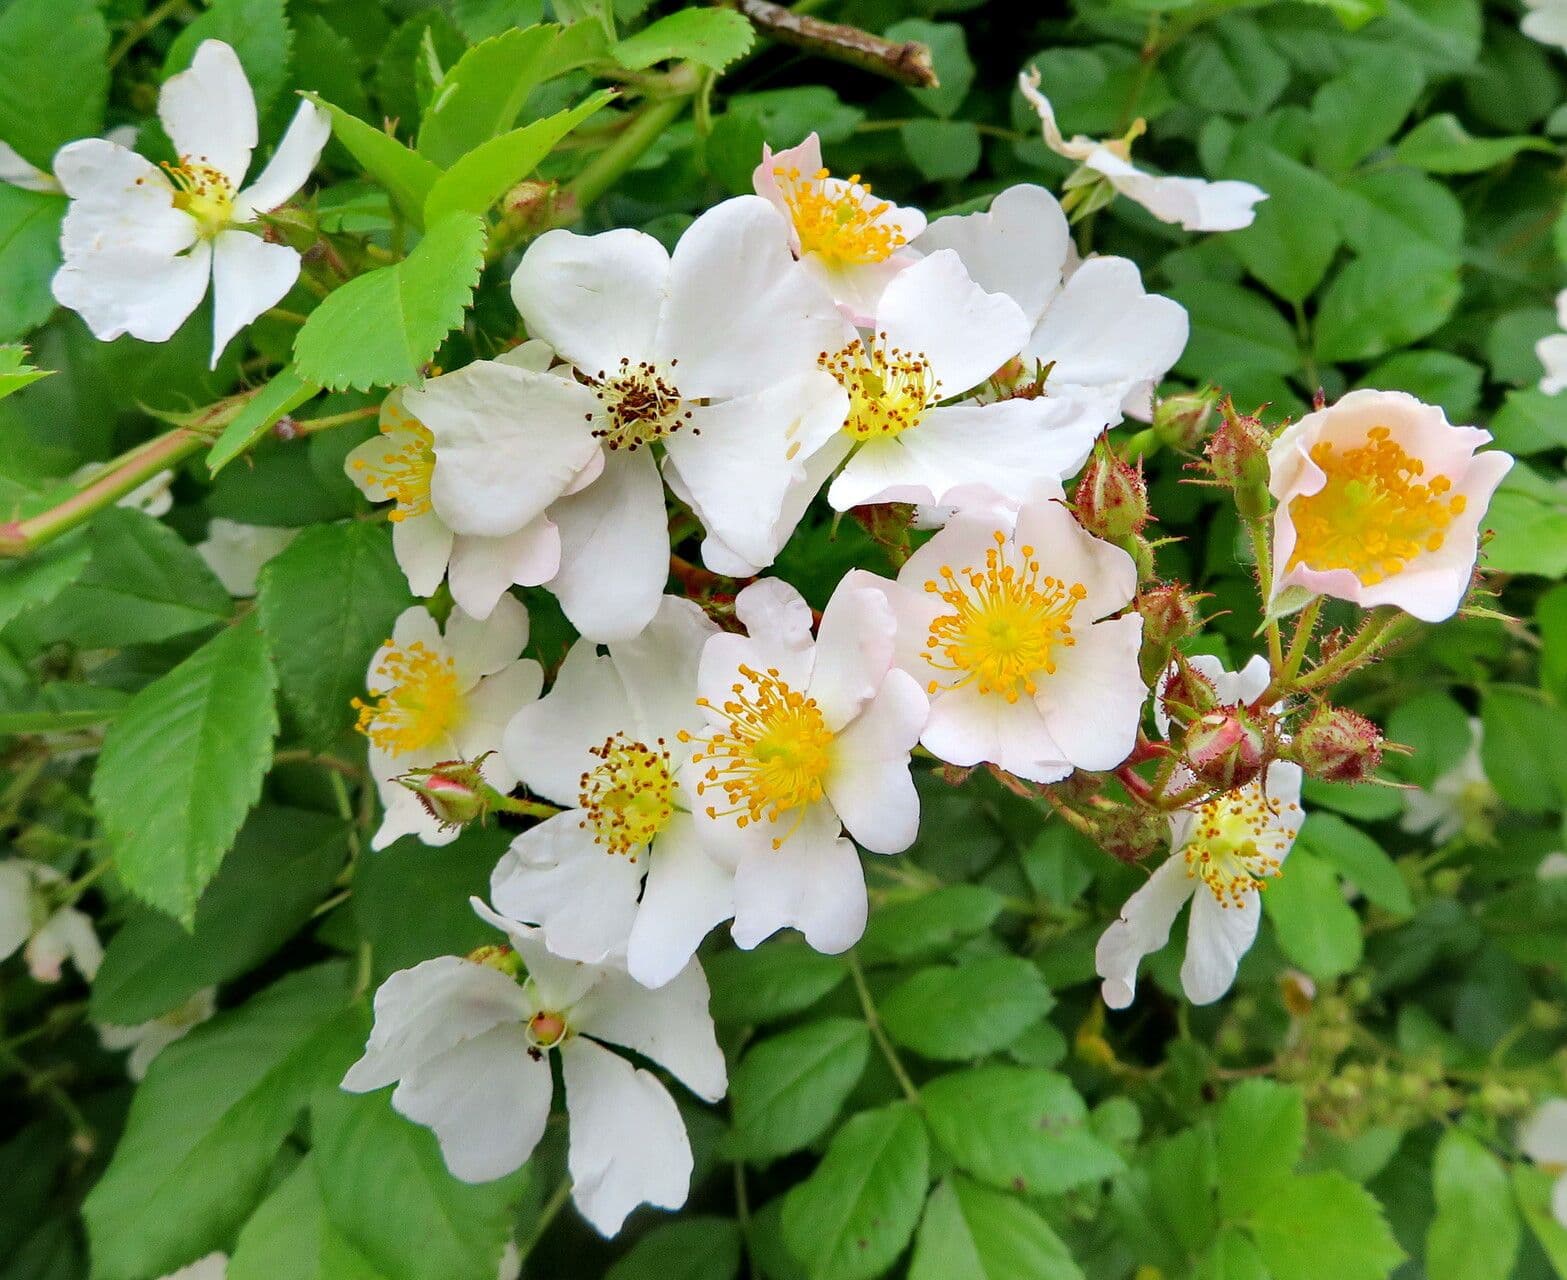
(1543, 1138)
(235, 552)
(1456, 800)
(146, 1040)
(48, 935)
(468, 1042)
(141, 244)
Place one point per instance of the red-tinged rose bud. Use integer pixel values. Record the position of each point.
(1182, 420)
(453, 792)
(1112, 497)
(1338, 745)
(1227, 748)
(1186, 694)
(1237, 456)
(1130, 833)
(1169, 612)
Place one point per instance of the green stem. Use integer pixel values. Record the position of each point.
(138, 29)
(878, 1033)
(1305, 624)
(547, 1215)
(523, 808)
(1257, 531)
(304, 426)
(1383, 627)
(611, 164)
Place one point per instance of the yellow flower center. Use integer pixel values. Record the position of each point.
(1374, 514)
(1006, 622)
(421, 704)
(889, 388)
(772, 758)
(629, 795)
(402, 474)
(203, 192)
(1237, 843)
(638, 405)
(838, 223)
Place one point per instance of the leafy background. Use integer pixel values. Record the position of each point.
(959, 1107)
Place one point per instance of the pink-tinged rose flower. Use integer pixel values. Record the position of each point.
(1380, 501)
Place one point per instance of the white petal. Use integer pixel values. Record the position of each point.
(491, 705)
(422, 1012)
(967, 727)
(595, 299)
(481, 648)
(732, 274)
(558, 877)
(659, 669)
(1551, 352)
(487, 1100)
(290, 165)
(547, 743)
(19, 173)
(423, 546)
(1069, 552)
(882, 471)
(1144, 927)
(556, 983)
(1018, 248)
(774, 609)
(1075, 149)
(248, 276)
(1217, 937)
(68, 934)
(614, 549)
(628, 1143)
(1093, 704)
(508, 442)
(209, 112)
(687, 893)
(484, 569)
(853, 648)
(935, 310)
(1193, 203)
(814, 884)
(1543, 1136)
(236, 552)
(120, 203)
(16, 907)
(869, 783)
(132, 292)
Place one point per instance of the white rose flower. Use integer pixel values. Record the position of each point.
(146, 1040)
(46, 935)
(1456, 799)
(142, 243)
(18, 172)
(1552, 349)
(437, 697)
(1543, 1138)
(1546, 22)
(236, 552)
(468, 1046)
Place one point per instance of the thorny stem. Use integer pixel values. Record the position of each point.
(1257, 531)
(345, 767)
(907, 62)
(1382, 627)
(305, 426)
(878, 1033)
(525, 808)
(1305, 624)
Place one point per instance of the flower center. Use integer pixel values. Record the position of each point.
(1374, 514)
(889, 388)
(203, 192)
(629, 795)
(838, 222)
(402, 474)
(1237, 843)
(1005, 624)
(422, 704)
(773, 756)
(545, 1030)
(638, 405)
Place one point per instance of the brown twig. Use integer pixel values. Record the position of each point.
(908, 62)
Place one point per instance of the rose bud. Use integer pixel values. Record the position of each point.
(1227, 748)
(1185, 693)
(453, 792)
(1237, 456)
(1337, 745)
(1112, 498)
(1182, 420)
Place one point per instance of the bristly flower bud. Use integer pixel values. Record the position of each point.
(1182, 420)
(1237, 456)
(453, 792)
(1130, 833)
(1228, 748)
(1112, 497)
(1169, 612)
(1186, 694)
(1337, 745)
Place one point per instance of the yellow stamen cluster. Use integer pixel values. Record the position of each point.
(638, 406)
(774, 756)
(629, 796)
(1237, 843)
(889, 388)
(402, 474)
(203, 192)
(838, 223)
(1374, 514)
(421, 704)
(1007, 620)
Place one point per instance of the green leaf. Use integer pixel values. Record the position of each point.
(1261, 1134)
(712, 37)
(206, 1125)
(1437, 377)
(258, 32)
(1530, 421)
(326, 602)
(949, 53)
(481, 19)
(183, 764)
(1378, 303)
(289, 1237)
(1358, 858)
(1317, 929)
(282, 865)
(1528, 521)
(481, 96)
(1361, 108)
(1230, 67)
(388, 1193)
(1523, 750)
(942, 150)
(1232, 328)
(144, 583)
(930, 925)
(1532, 1187)
(1183, 1184)
(1289, 245)
(956, 1012)
(972, 1233)
(282, 395)
(1324, 1225)
(35, 581)
(54, 77)
(1476, 1230)
(694, 1248)
(1440, 144)
(1017, 1128)
(29, 256)
(485, 174)
(1550, 619)
(779, 980)
(852, 1217)
(382, 328)
(406, 175)
(15, 372)
(1437, 730)
(787, 1089)
(1232, 1257)
(1399, 210)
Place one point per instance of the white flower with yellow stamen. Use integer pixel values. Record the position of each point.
(1380, 500)
(146, 1040)
(398, 466)
(607, 743)
(47, 934)
(1004, 619)
(436, 696)
(706, 357)
(142, 243)
(468, 1043)
(1193, 203)
(1543, 1138)
(1459, 801)
(804, 738)
(854, 241)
